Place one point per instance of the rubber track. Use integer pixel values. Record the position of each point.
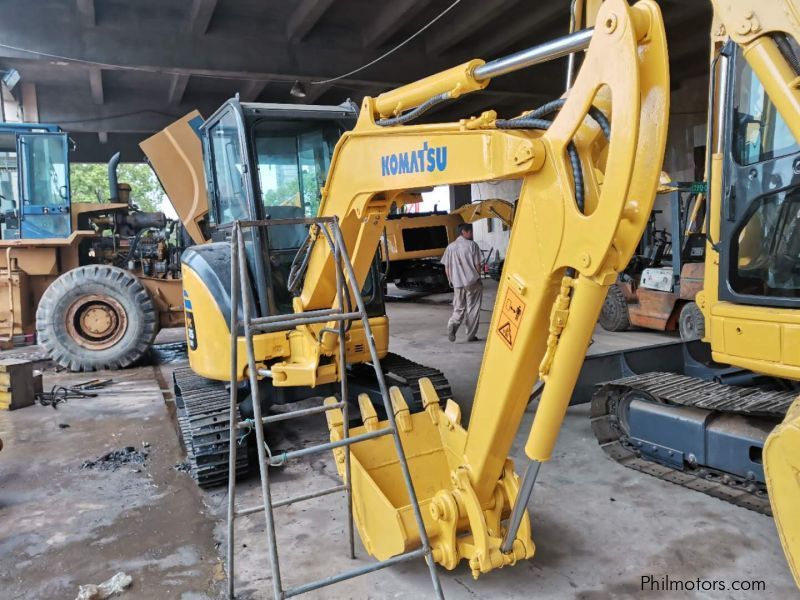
(691, 391)
(203, 420)
(204, 424)
(408, 372)
(679, 389)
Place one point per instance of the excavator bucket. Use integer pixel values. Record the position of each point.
(433, 442)
(782, 470)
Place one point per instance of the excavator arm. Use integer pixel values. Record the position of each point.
(587, 192)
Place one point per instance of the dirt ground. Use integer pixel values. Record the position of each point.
(598, 526)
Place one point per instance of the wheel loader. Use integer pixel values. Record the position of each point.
(93, 282)
(590, 164)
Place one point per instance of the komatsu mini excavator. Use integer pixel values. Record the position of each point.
(590, 166)
(258, 161)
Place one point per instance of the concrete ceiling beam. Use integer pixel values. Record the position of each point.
(441, 38)
(305, 17)
(86, 13)
(96, 85)
(390, 19)
(252, 90)
(200, 16)
(177, 88)
(528, 27)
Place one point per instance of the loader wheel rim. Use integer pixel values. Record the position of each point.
(96, 322)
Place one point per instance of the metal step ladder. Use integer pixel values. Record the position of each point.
(342, 316)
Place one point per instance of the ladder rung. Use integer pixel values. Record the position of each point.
(291, 316)
(278, 460)
(303, 320)
(287, 501)
(370, 568)
(294, 414)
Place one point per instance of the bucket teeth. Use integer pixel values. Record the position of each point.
(368, 415)
(453, 413)
(334, 417)
(430, 399)
(428, 392)
(335, 420)
(400, 408)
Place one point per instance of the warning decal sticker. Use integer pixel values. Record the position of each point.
(510, 318)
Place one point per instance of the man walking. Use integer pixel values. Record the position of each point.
(462, 264)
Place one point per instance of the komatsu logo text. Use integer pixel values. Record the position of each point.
(428, 158)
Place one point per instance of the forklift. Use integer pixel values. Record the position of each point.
(657, 288)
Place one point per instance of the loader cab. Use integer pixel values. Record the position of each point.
(760, 208)
(270, 161)
(34, 182)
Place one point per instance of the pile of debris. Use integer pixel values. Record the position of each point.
(121, 457)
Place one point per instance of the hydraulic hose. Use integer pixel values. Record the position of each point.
(556, 105)
(572, 151)
(785, 47)
(417, 112)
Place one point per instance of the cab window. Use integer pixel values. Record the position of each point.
(228, 170)
(768, 248)
(759, 132)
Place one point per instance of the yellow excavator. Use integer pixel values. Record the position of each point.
(590, 166)
(415, 242)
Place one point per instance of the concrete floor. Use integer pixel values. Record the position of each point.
(598, 527)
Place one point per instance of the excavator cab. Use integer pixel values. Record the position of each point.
(269, 161)
(754, 306)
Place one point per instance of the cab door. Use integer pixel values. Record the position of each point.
(756, 322)
(230, 191)
(760, 218)
(44, 194)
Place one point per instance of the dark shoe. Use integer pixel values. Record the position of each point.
(451, 333)
(474, 338)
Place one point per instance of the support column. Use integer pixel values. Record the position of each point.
(460, 195)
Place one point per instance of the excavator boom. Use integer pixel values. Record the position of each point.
(579, 217)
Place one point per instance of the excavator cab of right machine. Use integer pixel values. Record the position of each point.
(782, 469)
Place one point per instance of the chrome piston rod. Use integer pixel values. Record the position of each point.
(574, 42)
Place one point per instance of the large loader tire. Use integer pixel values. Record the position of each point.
(614, 314)
(96, 317)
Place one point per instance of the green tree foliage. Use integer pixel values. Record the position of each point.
(89, 183)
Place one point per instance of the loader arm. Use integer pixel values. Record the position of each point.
(566, 248)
